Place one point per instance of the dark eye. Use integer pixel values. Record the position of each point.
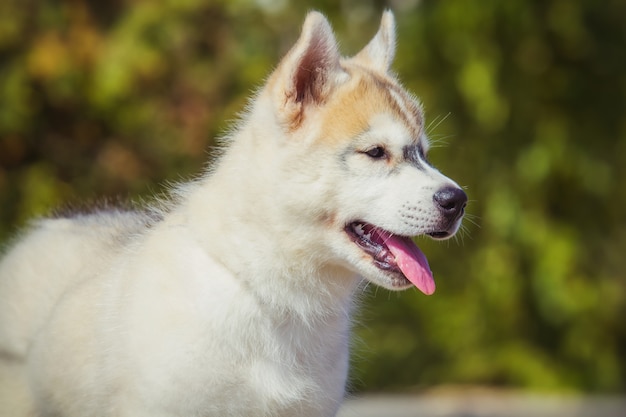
(376, 152)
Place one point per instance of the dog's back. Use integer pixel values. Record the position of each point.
(51, 257)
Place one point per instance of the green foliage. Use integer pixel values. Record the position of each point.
(102, 99)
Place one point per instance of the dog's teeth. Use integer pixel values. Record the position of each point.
(368, 236)
(359, 229)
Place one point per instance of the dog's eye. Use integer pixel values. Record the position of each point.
(377, 152)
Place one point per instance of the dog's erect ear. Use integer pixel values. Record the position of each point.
(308, 72)
(380, 51)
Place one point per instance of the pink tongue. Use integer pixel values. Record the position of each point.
(412, 263)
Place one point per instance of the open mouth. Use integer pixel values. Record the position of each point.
(393, 254)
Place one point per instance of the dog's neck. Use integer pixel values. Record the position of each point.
(291, 273)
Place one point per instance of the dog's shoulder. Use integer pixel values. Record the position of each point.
(52, 255)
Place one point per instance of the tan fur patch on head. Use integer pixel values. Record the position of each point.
(352, 106)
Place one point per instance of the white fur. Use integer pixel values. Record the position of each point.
(235, 299)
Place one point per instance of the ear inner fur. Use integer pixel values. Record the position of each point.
(306, 74)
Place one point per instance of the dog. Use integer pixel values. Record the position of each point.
(234, 297)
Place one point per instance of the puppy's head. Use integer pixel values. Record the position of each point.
(358, 152)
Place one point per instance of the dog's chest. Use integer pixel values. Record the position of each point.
(226, 352)
(303, 367)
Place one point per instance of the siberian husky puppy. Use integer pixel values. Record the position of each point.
(235, 298)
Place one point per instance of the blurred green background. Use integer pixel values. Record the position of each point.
(526, 100)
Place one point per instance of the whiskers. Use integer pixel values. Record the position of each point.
(368, 288)
(437, 140)
(434, 124)
(464, 229)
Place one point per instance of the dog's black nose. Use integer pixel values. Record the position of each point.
(451, 201)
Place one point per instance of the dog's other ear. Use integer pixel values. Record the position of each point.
(379, 53)
(307, 73)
